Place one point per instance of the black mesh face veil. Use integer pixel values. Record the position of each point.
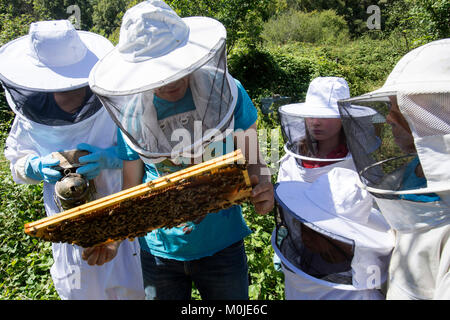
(299, 139)
(364, 142)
(42, 108)
(318, 253)
(293, 129)
(383, 148)
(158, 128)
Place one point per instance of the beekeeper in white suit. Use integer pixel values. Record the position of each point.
(410, 178)
(315, 139)
(332, 243)
(45, 77)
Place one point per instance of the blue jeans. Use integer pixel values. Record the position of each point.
(222, 276)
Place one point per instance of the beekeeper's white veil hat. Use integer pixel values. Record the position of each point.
(52, 57)
(420, 85)
(343, 214)
(157, 47)
(321, 102)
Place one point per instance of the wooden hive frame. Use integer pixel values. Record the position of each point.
(97, 217)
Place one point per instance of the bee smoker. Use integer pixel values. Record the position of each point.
(72, 189)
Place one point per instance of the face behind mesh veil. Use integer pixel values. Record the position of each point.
(313, 130)
(208, 115)
(41, 107)
(414, 103)
(408, 174)
(158, 49)
(302, 142)
(414, 131)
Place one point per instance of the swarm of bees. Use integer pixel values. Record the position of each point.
(164, 204)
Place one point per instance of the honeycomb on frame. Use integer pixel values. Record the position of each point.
(169, 201)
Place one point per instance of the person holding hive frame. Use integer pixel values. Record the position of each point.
(167, 81)
(45, 76)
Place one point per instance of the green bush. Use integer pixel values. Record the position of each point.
(354, 12)
(419, 21)
(107, 16)
(288, 69)
(265, 282)
(24, 261)
(312, 27)
(263, 72)
(13, 27)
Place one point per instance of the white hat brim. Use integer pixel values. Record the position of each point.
(18, 68)
(382, 94)
(308, 111)
(291, 195)
(113, 75)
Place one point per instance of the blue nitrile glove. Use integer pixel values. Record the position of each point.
(39, 168)
(97, 160)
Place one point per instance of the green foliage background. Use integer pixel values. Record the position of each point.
(274, 47)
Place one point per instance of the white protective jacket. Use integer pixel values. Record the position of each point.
(290, 170)
(299, 285)
(420, 263)
(73, 278)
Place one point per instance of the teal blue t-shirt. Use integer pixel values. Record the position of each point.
(217, 230)
(412, 181)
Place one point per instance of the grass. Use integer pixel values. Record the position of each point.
(24, 261)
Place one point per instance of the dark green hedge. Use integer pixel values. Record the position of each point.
(287, 70)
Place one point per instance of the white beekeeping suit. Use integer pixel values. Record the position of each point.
(332, 244)
(304, 164)
(410, 175)
(54, 57)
